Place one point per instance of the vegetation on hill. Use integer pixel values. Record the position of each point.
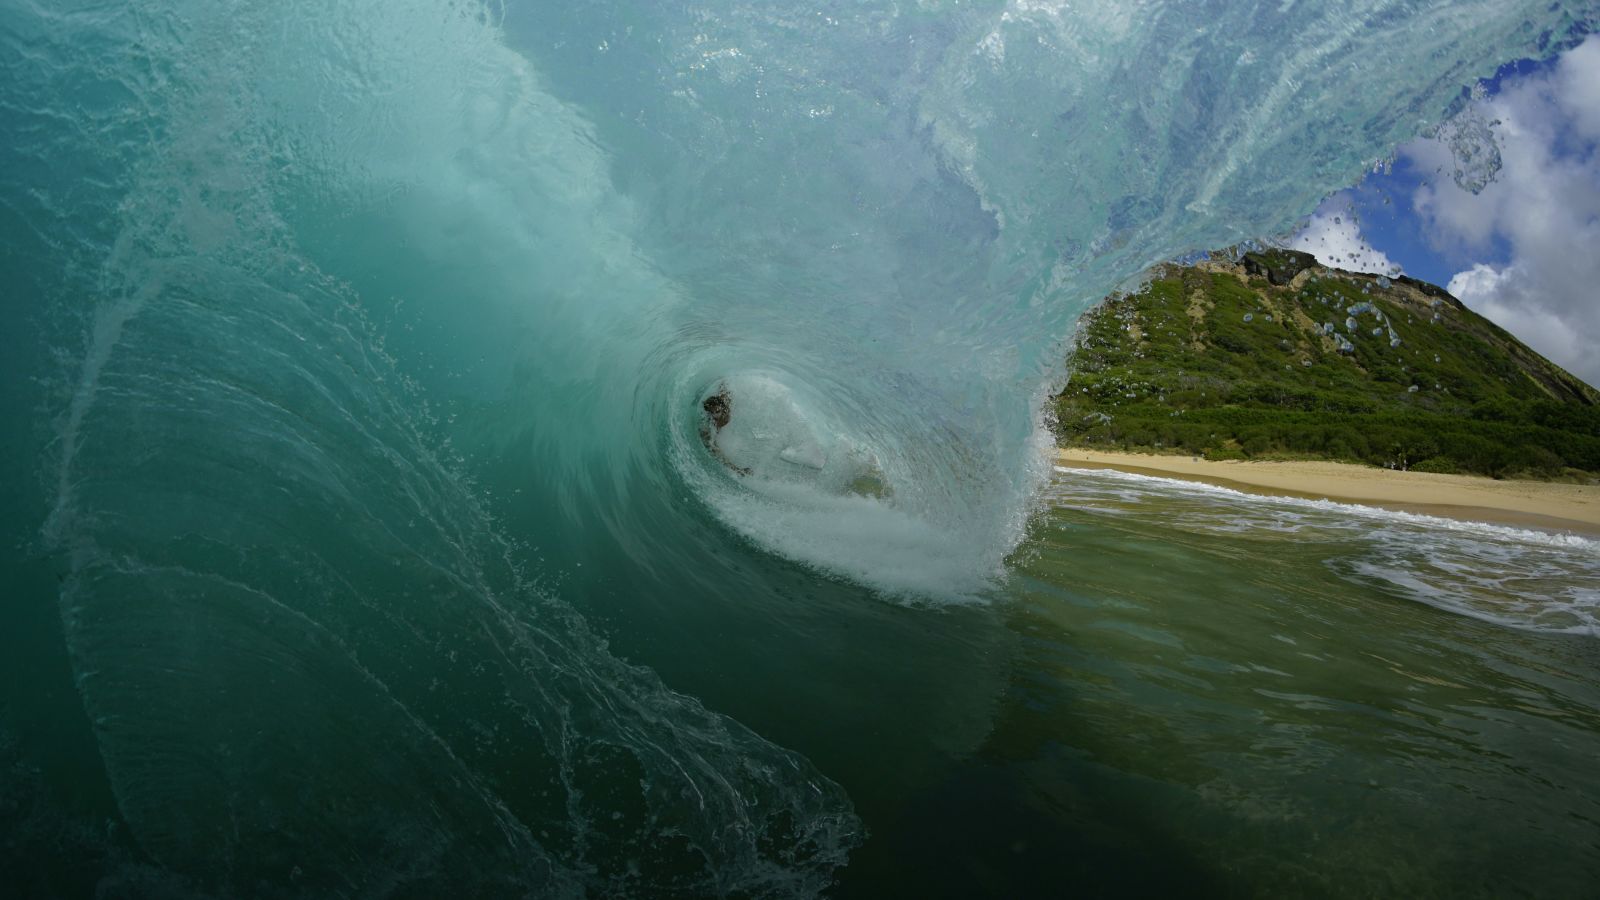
(1275, 356)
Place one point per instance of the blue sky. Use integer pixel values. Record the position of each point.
(1502, 207)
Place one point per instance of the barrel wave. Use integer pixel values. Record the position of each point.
(373, 342)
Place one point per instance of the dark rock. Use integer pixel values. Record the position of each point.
(1278, 266)
(1431, 290)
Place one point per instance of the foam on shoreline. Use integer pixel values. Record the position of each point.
(1537, 504)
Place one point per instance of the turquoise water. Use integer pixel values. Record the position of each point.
(361, 540)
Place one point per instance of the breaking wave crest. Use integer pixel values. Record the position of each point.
(374, 318)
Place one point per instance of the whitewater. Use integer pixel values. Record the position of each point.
(355, 363)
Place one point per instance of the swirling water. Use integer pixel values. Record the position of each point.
(356, 350)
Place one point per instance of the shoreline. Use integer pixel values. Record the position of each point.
(1537, 504)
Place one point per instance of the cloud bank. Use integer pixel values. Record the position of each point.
(1539, 218)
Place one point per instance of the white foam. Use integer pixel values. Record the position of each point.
(864, 539)
(1517, 577)
(800, 485)
(776, 436)
(1553, 538)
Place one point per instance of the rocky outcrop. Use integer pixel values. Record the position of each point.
(1278, 266)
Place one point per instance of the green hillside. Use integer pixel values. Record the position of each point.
(1276, 356)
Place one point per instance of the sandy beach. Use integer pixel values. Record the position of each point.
(1569, 507)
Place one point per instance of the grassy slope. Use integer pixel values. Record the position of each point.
(1177, 368)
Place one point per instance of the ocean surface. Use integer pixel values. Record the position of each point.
(360, 536)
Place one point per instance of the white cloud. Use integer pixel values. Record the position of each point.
(1502, 296)
(1544, 207)
(1334, 237)
(1578, 90)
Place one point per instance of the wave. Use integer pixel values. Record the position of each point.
(375, 320)
(303, 645)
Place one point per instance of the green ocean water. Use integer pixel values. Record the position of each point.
(1278, 721)
(358, 538)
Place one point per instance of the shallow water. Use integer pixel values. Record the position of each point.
(1286, 720)
(359, 537)
(1214, 694)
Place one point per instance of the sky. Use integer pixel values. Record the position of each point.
(1501, 207)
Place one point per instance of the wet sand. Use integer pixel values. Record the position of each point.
(1538, 504)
